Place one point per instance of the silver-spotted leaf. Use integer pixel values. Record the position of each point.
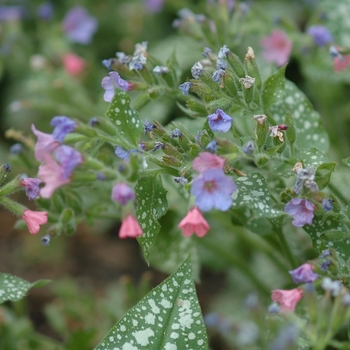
(151, 205)
(14, 288)
(125, 118)
(254, 192)
(273, 88)
(167, 318)
(308, 123)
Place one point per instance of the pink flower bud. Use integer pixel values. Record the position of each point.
(194, 222)
(130, 228)
(34, 219)
(288, 299)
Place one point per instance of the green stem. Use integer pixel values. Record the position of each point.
(236, 262)
(285, 246)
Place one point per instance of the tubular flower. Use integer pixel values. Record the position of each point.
(213, 189)
(122, 193)
(34, 219)
(277, 47)
(288, 299)
(130, 228)
(32, 186)
(194, 222)
(206, 160)
(44, 145)
(110, 83)
(63, 126)
(301, 210)
(303, 274)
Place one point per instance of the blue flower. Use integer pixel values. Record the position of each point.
(110, 83)
(302, 211)
(220, 121)
(213, 189)
(69, 159)
(79, 26)
(320, 34)
(185, 87)
(63, 126)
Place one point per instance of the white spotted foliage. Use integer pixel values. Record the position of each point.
(14, 288)
(253, 191)
(151, 205)
(167, 318)
(126, 119)
(308, 123)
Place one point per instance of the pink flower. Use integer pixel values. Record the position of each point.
(194, 222)
(34, 219)
(341, 63)
(206, 161)
(45, 144)
(288, 299)
(73, 64)
(53, 175)
(277, 47)
(130, 228)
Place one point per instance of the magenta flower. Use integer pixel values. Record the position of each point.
(32, 186)
(69, 159)
(53, 175)
(122, 193)
(288, 299)
(110, 83)
(276, 47)
(320, 34)
(63, 126)
(301, 210)
(79, 26)
(34, 219)
(44, 145)
(220, 121)
(194, 222)
(303, 274)
(206, 160)
(213, 189)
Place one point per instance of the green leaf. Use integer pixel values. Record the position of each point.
(126, 119)
(151, 205)
(169, 318)
(253, 191)
(308, 123)
(320, 233)
(291, 128)
(14, 288)
(323, 174)
(273, 88)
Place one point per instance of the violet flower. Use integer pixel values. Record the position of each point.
(110, 83)
(69, 159)
(213, 189)
(303, 274)
(220, 121)
(32, 186)
(301, 210)
(79, 26)
(122, 193)
(63, 126)
(320, 34)
(154, 6)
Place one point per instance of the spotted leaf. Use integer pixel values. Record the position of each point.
(14, 288)
(253, 191)
(169, 318)
(126, 119)
(273, 88)
(151, 205)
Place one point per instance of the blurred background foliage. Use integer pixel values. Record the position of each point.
(96, 277)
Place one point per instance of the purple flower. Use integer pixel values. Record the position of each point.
(69, 159)
(11, 13)
(79, 26)
(45, 11)
(320, 34)
(303, 274)
(63, 126)
(327, 204)
(325, 265)
(185, 87)
(32, 186)
(110, 83)
(220, 121)
(302, 211)
(154, 6)
(213, 189)
(122, 193)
